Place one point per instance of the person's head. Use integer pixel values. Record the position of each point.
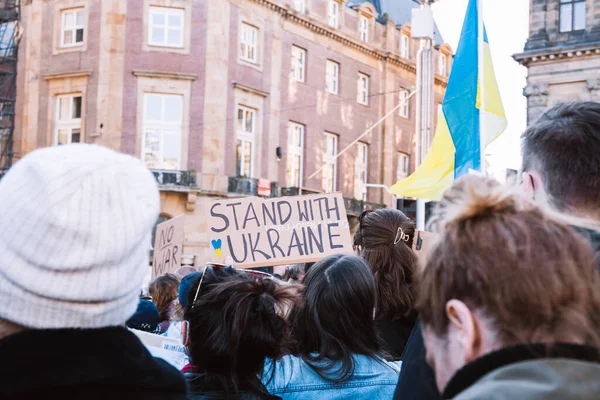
(384, 239)
(164, 289)
(335, 319)
(561, 158)
(145, 317)
(235, 324)
(74, 249)
(294, 273)
(503, 272)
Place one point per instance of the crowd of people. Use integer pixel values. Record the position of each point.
(505, 304)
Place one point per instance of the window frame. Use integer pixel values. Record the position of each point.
(71, 123)
(299, 6)
(404, 110)
(443, 65)
(363, 28)
(244, 51)
(572, 5)
(295, 150)
(362, 92)
(335, 78)
(361, 169)
(246, 137)
(333, 14)
(330, 161)
(402, 166)
(162, 125)
(74, 28)
(166, 12)
(298, 65)
(405, 46)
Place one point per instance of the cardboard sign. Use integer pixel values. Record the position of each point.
(170, 350)
(168, 246)
(256, 232)
(423, 242)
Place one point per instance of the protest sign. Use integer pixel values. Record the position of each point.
(169, 349)
(168, 245)
(256, 232)
(423, 241)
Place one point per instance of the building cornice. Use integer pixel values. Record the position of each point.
(70, 74)
(165, 75)
(249, 89)
(554, 53)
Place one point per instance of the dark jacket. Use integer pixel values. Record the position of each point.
(203, 387)
(417, 380)
(108, 363)
(534, 371)
(394, 334)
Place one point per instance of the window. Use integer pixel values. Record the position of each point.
(7, 40)
(405, 46)
(360, 169)
(298, 63)
(161, 141)
(165, 27)
(332, 74)
(68, 119)
(249, 43)
(443, 63)
(330, 169)
(402, 167)
(405, 107)
(300, 6)
(363, 28)
(333, 10)
(295, 154)
(72, 27)
(246, 135)
(362, 96)
(572, 15)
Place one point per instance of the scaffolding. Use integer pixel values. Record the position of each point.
(9, 49)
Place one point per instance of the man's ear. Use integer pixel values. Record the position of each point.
(185, 338)
(466, 327)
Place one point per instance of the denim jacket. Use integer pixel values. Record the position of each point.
(292, 378)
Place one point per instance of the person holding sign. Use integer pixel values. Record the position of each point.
(338, 353)
(384, 238)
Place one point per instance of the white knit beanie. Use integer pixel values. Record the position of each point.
(75, 227)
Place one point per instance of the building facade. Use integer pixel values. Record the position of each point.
(224, 98)
(562, 54)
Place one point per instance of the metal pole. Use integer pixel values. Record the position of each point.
(424, 123)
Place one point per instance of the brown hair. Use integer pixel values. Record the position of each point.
(391, 259)
(532, 275)
(163, 290)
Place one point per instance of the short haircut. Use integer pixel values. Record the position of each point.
(563, 145)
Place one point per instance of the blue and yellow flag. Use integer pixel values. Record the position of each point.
(457, 144)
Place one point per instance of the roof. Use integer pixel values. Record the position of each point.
(398, 11)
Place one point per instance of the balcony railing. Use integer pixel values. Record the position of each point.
(175, 178)
(295, 191)
(353, 206)
(249, 186)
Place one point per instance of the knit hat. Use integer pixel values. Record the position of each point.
(145, 317)
(74, 245)
(185, 285)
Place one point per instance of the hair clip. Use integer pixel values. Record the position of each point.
(401, 236)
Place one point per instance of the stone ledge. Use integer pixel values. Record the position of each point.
(70, 74)
(165, 75)
(249, 89)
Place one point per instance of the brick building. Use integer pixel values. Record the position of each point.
(221, 97)
(562, 54)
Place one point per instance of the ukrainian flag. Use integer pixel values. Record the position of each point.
(465, 125)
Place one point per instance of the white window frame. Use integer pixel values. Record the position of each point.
(295, 150)
(247, 33)
(363, 28)
(300, 6)
(361, 165)
(329, 158)
(166, 12)
(74, 28)
(402, 166)
(443, 65)
(246, 137)
(404, 110)
(298, 60)
(332, 77)
(70, 123)
(333, 14)
(571, 5)
(165, 128)
(362, 90)
(405, 46)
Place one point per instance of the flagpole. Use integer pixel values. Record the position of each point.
(481, 77)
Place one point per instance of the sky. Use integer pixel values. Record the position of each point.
(507, 25)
